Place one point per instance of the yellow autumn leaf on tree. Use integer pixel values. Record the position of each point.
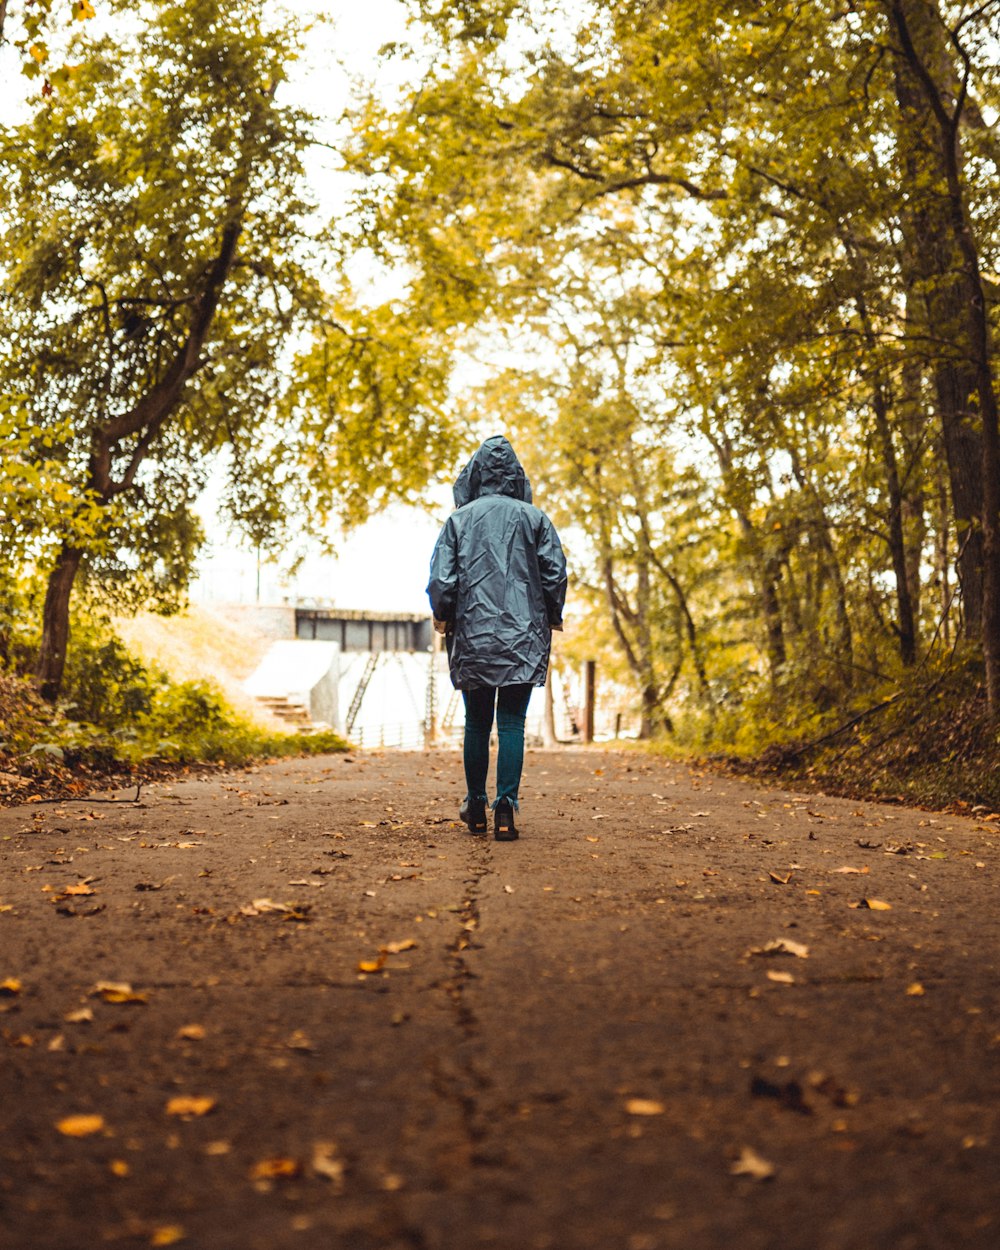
(82, 10)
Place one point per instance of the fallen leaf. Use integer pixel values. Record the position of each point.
(10, 987)
(260, 905)
(299, 1041)
(187, 1106)
(778, 879)
(118, 1167)
(783, 978)
(218, 1148)
(167, 1235)
(117, 992)
(326, 1162)
(372, 965)
(84, 1016)
(267, 1169)
(190, 1033)
(915, 990)
(789, 1093)
(751, 1164)
(395, 948)
(81, 1125)
(830, 1088)
(781, 946)
(848, 868)
(644, 1106)
(82, 888)
(875, 904)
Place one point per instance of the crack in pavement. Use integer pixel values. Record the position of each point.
(461, 1081)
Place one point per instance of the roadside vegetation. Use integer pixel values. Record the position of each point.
(120, 721)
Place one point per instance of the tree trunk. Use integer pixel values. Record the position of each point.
(934, 267)
(897, 540)
(977, 328)
(55, 622)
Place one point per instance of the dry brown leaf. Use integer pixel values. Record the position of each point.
(81, 1125)
(644, 1106)
(778, 879)
(781, 946)
(187, 1106)
(326, 1162)
(117, 992)
(84, 1016)
(848, 869)
(751, 1164)
(267, 1169)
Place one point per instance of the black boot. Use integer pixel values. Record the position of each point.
(473, 812)
(503, 821)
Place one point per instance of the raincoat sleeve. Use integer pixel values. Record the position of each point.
(552, 566)
(442, 589)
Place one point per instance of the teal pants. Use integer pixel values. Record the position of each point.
(511, 704)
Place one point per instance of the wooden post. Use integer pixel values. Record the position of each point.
(549, 738)
(590, 685)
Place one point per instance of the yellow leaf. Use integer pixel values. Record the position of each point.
(372, 965)
(186, 1105)
(778, 879)
(39, 52)
(191, 1033)
(876, 904)
(783, 978)
(10, 987)
(167, 1235)
(280, 1166)
(117, 992)
(82, 10)
(394, 948)
(81, 1125)
(81, 888)
(118, 1167)
(644, 1106)
(916, 990)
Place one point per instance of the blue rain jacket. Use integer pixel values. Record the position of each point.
(498, 575)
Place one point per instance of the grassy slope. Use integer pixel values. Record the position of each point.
(201, 645)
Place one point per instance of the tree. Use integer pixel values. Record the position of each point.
(808, 255)
(154, 223)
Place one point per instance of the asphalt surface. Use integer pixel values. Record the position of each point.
(303, 1007)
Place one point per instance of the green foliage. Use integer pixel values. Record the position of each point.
(118, 713)
(723, 247)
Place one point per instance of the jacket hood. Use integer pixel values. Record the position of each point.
(493, 470)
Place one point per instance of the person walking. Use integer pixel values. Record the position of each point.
(497, 590)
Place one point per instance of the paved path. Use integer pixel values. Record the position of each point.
(561, 1043)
